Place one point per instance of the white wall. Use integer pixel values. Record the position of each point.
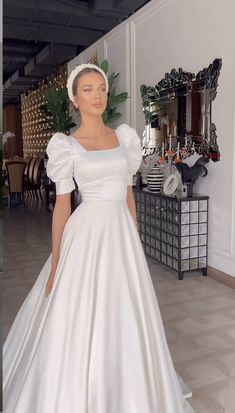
(1, 68)
(188, 34)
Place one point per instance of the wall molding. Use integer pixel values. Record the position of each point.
(232, 249)
(140, 16)
(133, 73)
(221, 277)
(149, 8)
(128, 71)
(122, 30)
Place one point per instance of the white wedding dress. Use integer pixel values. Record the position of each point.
(96, 344)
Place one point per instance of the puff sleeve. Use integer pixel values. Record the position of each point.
(132, 144)
(60, 163)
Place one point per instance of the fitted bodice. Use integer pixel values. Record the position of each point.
(100, 174)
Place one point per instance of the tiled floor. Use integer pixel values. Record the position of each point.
(198, 312)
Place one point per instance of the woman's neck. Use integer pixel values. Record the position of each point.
(92, 126)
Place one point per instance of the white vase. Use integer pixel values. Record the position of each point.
(149, 137)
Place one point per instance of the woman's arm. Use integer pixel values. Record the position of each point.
(131, 203)
(61, 213)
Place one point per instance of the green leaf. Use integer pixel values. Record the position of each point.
(116, 100)
(111, 79)
(113, 91)
(104, 66)
(114, 117)
(105, 117)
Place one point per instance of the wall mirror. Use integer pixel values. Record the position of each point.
(179, 110)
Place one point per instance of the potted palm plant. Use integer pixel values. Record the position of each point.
(110, 114)
(55, 111)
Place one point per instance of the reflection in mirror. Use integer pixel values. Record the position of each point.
(178, 113)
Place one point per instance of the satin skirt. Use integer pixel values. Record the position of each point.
(96, 344)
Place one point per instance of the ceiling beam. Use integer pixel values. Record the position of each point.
(70, 8)
(83, 20)
(131, 5)
(15, 54)
(50, 33)
(80, 8)
(103, 5)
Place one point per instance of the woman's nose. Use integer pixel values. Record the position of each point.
(98, 94)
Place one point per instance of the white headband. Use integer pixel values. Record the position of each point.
(78, 69)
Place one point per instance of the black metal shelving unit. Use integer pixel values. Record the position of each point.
(174, 229)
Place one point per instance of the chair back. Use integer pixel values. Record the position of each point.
(15, 174)
(31, 168)
(37, 171)
(26, 171)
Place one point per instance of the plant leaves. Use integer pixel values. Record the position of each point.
(55, 110)
(111, 79)
(105, 117)
(104, 66)
(114, 117)
(116, 100)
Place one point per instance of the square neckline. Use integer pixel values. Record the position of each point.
(99, 150)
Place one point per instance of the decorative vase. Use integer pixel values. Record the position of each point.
(155, 179)
(188, 189)
(149, 140)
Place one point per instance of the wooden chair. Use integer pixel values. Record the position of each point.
(30, 176)
(15, 177)
(26, 175)
(37, 177)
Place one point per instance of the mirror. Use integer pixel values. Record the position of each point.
(179, 110)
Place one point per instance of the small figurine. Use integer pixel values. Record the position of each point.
(189, 175)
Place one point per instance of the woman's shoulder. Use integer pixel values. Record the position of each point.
(59, 142)
(132, 144)
(125, 127)
(127, 134)
(59, 137)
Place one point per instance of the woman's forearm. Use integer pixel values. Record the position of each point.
(61, 213)
(131, 203)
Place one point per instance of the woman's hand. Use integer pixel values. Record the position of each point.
(50, 283)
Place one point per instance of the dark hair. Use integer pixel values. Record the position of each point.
(83, 72)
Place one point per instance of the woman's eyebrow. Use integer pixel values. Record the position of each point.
(92, 85)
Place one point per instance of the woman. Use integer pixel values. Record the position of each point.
(89, 336)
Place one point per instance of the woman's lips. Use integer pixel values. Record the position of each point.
(97, 105)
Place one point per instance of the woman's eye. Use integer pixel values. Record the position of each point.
(89, 90)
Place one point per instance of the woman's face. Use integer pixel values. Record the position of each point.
(91, 96)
